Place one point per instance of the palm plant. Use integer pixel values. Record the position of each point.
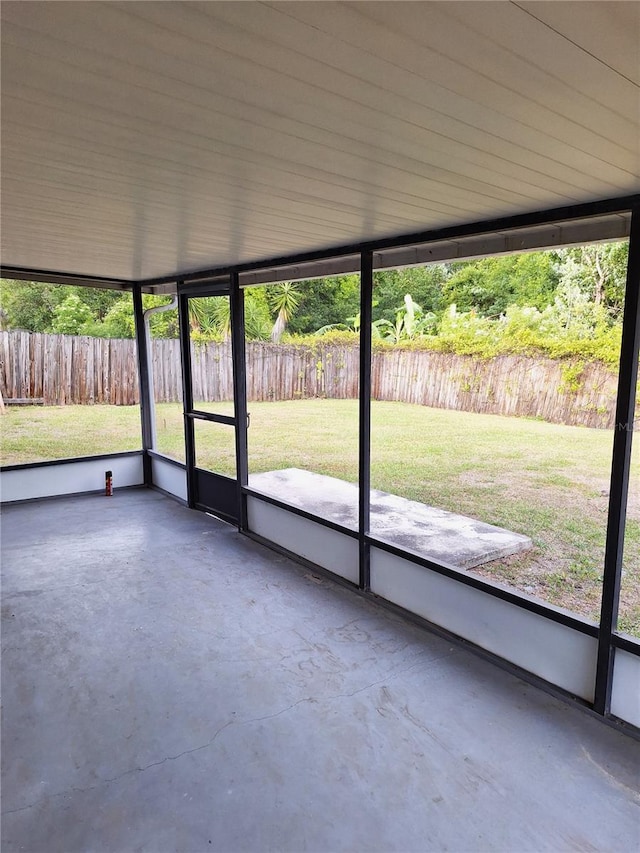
(410, 322)
(210, 316)
(257, 323)
(283, 301)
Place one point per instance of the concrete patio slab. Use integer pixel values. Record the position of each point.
(435, 533)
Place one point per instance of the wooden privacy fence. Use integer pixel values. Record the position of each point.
(62, 369)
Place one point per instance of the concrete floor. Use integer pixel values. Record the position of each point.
(172, 686)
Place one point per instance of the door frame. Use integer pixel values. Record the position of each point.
(207, 491)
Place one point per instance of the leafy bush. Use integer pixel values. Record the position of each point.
(69, 316)
(520, 331)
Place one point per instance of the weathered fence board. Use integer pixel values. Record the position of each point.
(62, 369)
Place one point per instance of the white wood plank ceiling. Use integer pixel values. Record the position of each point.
(140, 139)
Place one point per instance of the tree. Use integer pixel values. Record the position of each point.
(118, 322)
(97, 299)
(283, 300)
(600, 271)
(210, 316)
(70, 316)
(257, 319)
(488, 286)
(324, 302)
(29, 305)
(425, 284)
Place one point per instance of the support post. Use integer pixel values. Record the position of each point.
(143, 385)
(239, 393)
(622, 438)
(364, 445)
(187, 394)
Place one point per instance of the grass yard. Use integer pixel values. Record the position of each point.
(547, 481)
(39, 433)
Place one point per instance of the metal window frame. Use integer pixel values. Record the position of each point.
(146, 404)
(238, 359)
(608, 640)
(404, 249)
(364, 407)
(68, 460)
(620, 468)
(187, 393)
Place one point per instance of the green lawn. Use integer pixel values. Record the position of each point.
(545, 480)
(38, 433)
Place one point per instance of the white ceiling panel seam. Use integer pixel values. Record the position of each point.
(154, 138)
(547, 160)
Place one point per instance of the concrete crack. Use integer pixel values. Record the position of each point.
(122, 775)
(277, 713)
(388, 677)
